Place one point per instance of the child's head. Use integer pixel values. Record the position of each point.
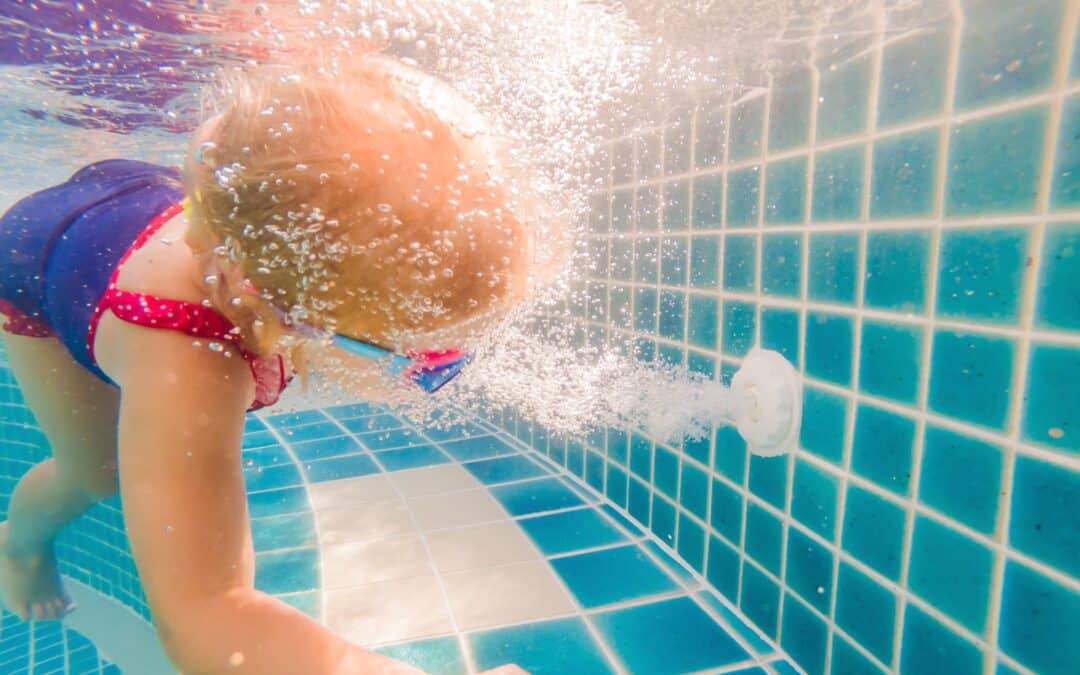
(356, 201)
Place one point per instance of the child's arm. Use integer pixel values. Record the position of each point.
(181, 422)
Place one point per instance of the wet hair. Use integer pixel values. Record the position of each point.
(349, 201)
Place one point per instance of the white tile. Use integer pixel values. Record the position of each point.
(433, 480)
(496, 596)
(388, 611)
(378, 520)
(480, 546)
(356, 564)
(456, 509)
(350, 492)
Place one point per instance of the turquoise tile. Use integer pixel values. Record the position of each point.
(296, 419)
(785, 191)
(726, 511)
(622, 210)
(278, 502)
(662, 521)
(804, 636)
(673, 260)
(700, 448)
(789, 111)
(838, 184)
(691, 542)
(622, 161)
(730, 456)
(768, 479)
(780, 332)
(824, 420)
(814, 498)
(970, 376)
(897, 267)
(672, 315)
(559, 646)
(440, 656)
(666, 471)
(760, 600)
(866, 611)
(904, 167)
(764, 538)
(646, 211)
(536, 496)
(260, 479)
(309, 432)
(348, 466)
(951, 572)
(1050, 410)
(615, 485)
(638, 501)
(1057, 304)
(599, 218)
(829, 340)
(709, 136)
(594, 470)
(809, 570)
(708, 200)
(1038, 621)
(295, 530)
(412, 458)
(913, 74)
(258, 439)
(703, 321)
(961, 477)
(743, 187)
(479, 447)
(611, 575)
(1065, 193)
(669, 562)
(621, 306)
(705, 261)
(671, 636)
(846, 660)
(1043, 521)
(645, 307)
(873, 531)
(351, 410)
(995, 162)
(980, 273)
(374, 423)
(883, 447)
(890, 360)
(647, 260)
(781, 265)
(677, 148)
(648, 148)
(1006, 50)
(833, 263)
(740, 262)
(621, 258)
(676, 197)
(390, 439)
(693, 490)
(504, 469)
(641, 456)
(287, 571)
(738, 328)
(930, 647)
(671, 355)
(747, 127)
(842, 99)
(722, 568)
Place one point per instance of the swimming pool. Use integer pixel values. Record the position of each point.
(890, 201)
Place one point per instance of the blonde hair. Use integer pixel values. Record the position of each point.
(350, 203)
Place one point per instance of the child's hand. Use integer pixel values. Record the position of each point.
(508, 669)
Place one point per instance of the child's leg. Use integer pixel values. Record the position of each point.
(78, 414)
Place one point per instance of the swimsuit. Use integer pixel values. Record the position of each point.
(61, 250)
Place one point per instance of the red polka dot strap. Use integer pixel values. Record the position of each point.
(185, 317)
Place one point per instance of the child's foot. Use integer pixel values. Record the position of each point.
(30, 586)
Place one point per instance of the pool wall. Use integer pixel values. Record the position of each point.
(901, 219)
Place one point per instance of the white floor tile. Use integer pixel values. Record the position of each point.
(369, 522)
(495, 596)
(480, 546)
(350, 492)
(456, 509)
(356, 564)
(432, 480)
(388, 611)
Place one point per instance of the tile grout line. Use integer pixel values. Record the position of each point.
(1021, 366)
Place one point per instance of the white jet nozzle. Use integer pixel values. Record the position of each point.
(772, 390)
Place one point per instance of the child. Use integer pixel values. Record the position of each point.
(141, 330)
